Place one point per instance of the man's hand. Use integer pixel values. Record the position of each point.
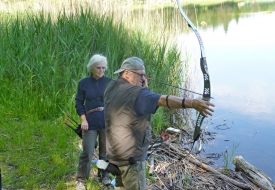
(145, 83)
(203, 107)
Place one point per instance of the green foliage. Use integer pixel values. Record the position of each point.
(47, 57)
(35, 152)
(160, 120)
(228, 158)
(148, 176)
(187, 179)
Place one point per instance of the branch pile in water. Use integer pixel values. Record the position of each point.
(172, 167)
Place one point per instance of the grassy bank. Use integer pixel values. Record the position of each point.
(42, 57)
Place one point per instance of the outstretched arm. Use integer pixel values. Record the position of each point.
(175, 102)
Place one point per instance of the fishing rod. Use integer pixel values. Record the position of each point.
(150, 79)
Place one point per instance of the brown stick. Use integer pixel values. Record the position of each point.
(260, 178)
(208, 168)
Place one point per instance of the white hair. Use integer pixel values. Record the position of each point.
(97, 58)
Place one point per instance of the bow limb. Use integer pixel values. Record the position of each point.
(206, 89)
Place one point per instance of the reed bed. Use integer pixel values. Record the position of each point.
(46, 57)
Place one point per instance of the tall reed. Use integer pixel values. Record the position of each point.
(45, 58)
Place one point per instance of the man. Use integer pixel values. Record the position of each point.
(128, 108)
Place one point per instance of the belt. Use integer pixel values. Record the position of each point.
(94, 110)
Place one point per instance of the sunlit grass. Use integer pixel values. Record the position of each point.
(35, 153)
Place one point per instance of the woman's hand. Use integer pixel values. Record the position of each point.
(84, 125)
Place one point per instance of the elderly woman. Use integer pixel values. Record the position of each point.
(90, 107)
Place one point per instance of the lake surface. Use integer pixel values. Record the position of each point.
(240, 54)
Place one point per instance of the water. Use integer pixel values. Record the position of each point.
(241, 59)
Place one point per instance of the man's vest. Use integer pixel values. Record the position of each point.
(127, 134)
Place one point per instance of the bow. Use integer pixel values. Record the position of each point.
(206, 89)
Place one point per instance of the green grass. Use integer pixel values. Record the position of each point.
(228, 158)
(36, 153)
(42, 57)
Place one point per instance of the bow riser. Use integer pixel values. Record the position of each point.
(206, 90)
(206, 96)
(197, 131)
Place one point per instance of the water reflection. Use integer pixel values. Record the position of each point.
(221, 14)
(241, 64)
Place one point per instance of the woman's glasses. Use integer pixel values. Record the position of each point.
(103, 68)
